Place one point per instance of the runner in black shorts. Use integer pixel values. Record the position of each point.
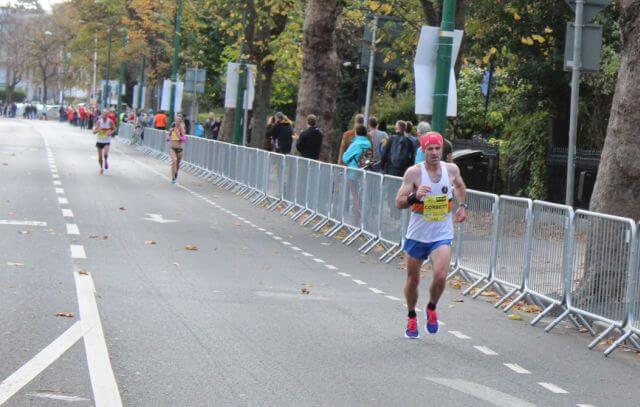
(104, 130)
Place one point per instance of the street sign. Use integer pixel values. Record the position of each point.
(166, 95)
(424, 67)
(591, 7)
(194, 80)
(591, 46)
(136, 104)
(231, 92)
(388, 29)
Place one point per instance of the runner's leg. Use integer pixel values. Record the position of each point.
(174, 159)
(106, 156)
(440, 259)
(413, 281)
(178, 160)
(100, 158)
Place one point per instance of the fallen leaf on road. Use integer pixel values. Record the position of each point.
(5, 164)
(457, 300)
(122, 208)
(583, 330)
(150, 242)
(83, 273)
(65, 314)
(93, 236)
(191, 247)
(14, 264)
(24, 232)
(515, 317)
(105, 237)
(489, 294)
(304, 290)
(238, 223)
(325, 244)
(175, 263)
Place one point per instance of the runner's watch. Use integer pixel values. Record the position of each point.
(464, 205)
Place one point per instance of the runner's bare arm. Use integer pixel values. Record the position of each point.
(407, 188)
(460, 189)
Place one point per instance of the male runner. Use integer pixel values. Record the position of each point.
(427, 189)
(104, 130)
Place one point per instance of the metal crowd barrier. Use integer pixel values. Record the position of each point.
(585, 264)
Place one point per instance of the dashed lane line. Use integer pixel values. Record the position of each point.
(72, 229)
(77, 252)
(486, 351)
(307, 254)
(517, 368)
(392, 298)
(553, 388)
(459, 335)
(63, 201)
(359, 282)
(67, 213)
(344, 274)
(320, 261)
(331, 267)
(60, 191)
(375, 290)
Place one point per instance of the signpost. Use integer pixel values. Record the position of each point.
(194, 82)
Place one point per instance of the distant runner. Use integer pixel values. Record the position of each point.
(177, 137)
(427, 189)
(104, 130)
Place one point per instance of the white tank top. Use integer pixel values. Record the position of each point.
(104, 126)
(436, 222)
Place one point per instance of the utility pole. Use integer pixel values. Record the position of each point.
(65, 73)
(372, 69)
(443, 69)
(105, 95)
(123, 67)
(242, 82)
(575, 94)
(141, 84)
(176, 54)
(95, 66)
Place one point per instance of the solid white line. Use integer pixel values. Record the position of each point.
(517, 368)
(376, 291)
(72, 229)
(459, 335)
(286, 243)
(57, 183)
(67, 213)
(486, 351)
(319, 261)
(488, 394)
(307, 254)
(359, 282)
(553, 388)
(63, 201)
(296, 248)
(344, 274)
(21, 377)
(77, 252)
(59, 191)
(330, 267)
(585, 405)
(22, 223)
(103, 381)
(392, 298)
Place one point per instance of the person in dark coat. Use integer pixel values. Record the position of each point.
(282, 134)
(309, 142)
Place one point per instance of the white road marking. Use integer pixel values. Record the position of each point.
(277, 237)
(59, 191)
(103, 381)
(247, 222)
(330, 267)
(359, 282)
(296, 248)
(72, 229)
(56, 396)
(261, 229)
(459, 335)
(585, 405)
(486, 351)
(268, 233)
(155, 217)
(67, 213)
(376, 291)
(307, 254)
(392, 298)
(53, 170)
(517, 368)
(240, 218)
(21, 377)
(63, 201)
(57, 183)
(22, 223)
(77, 252)
(319, 261)
(285, 243)
(344, 274)
(553, 388)
(481, 392)
(55, 176)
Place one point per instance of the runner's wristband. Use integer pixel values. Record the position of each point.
(411, 199)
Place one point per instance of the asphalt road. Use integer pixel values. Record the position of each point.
(229, 324)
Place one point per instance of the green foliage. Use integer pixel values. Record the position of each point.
(19, 95)
(392, 108)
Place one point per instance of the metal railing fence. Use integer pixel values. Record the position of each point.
(585, 264)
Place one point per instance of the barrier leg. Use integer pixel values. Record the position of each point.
(373, 245)
(372, 241)
(556, 321)
(394, 255)
(389, 250)
(320, 225)
(514, 302)
(586, 324)
(603, 335)
(474, 285)
(334, 230)
(350, 239)
(617, 343)
(543, 313)
(309, 220)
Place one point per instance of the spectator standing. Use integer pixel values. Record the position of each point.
(208, 127)
(347, 136)
(379, 139)
(309, 142)
(409, 132)
(423, 128)
(268, 140)
(160, 121)
(399, 153)
(282, 134)
(215, 127)
(359, 146)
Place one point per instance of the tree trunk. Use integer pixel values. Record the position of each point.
(264, 86)
(617, 187)
(226, 130)
(320, 71)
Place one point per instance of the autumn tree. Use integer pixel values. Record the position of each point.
(16, 24)
(320, 70)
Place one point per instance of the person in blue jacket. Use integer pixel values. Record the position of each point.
(359, 144)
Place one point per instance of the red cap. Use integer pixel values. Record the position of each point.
(431, 138)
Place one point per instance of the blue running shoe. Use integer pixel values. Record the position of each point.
(432, 320)
(412, 328)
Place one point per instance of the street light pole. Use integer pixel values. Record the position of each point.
(176, 54)
(105, 95)
(239, 117)
(372, 61)
(121, 84)
(141, 84)
(95, 66)
(443, 69)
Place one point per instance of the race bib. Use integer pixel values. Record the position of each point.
(103, 134)
(436, 208)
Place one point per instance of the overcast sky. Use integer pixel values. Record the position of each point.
(46, 4)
